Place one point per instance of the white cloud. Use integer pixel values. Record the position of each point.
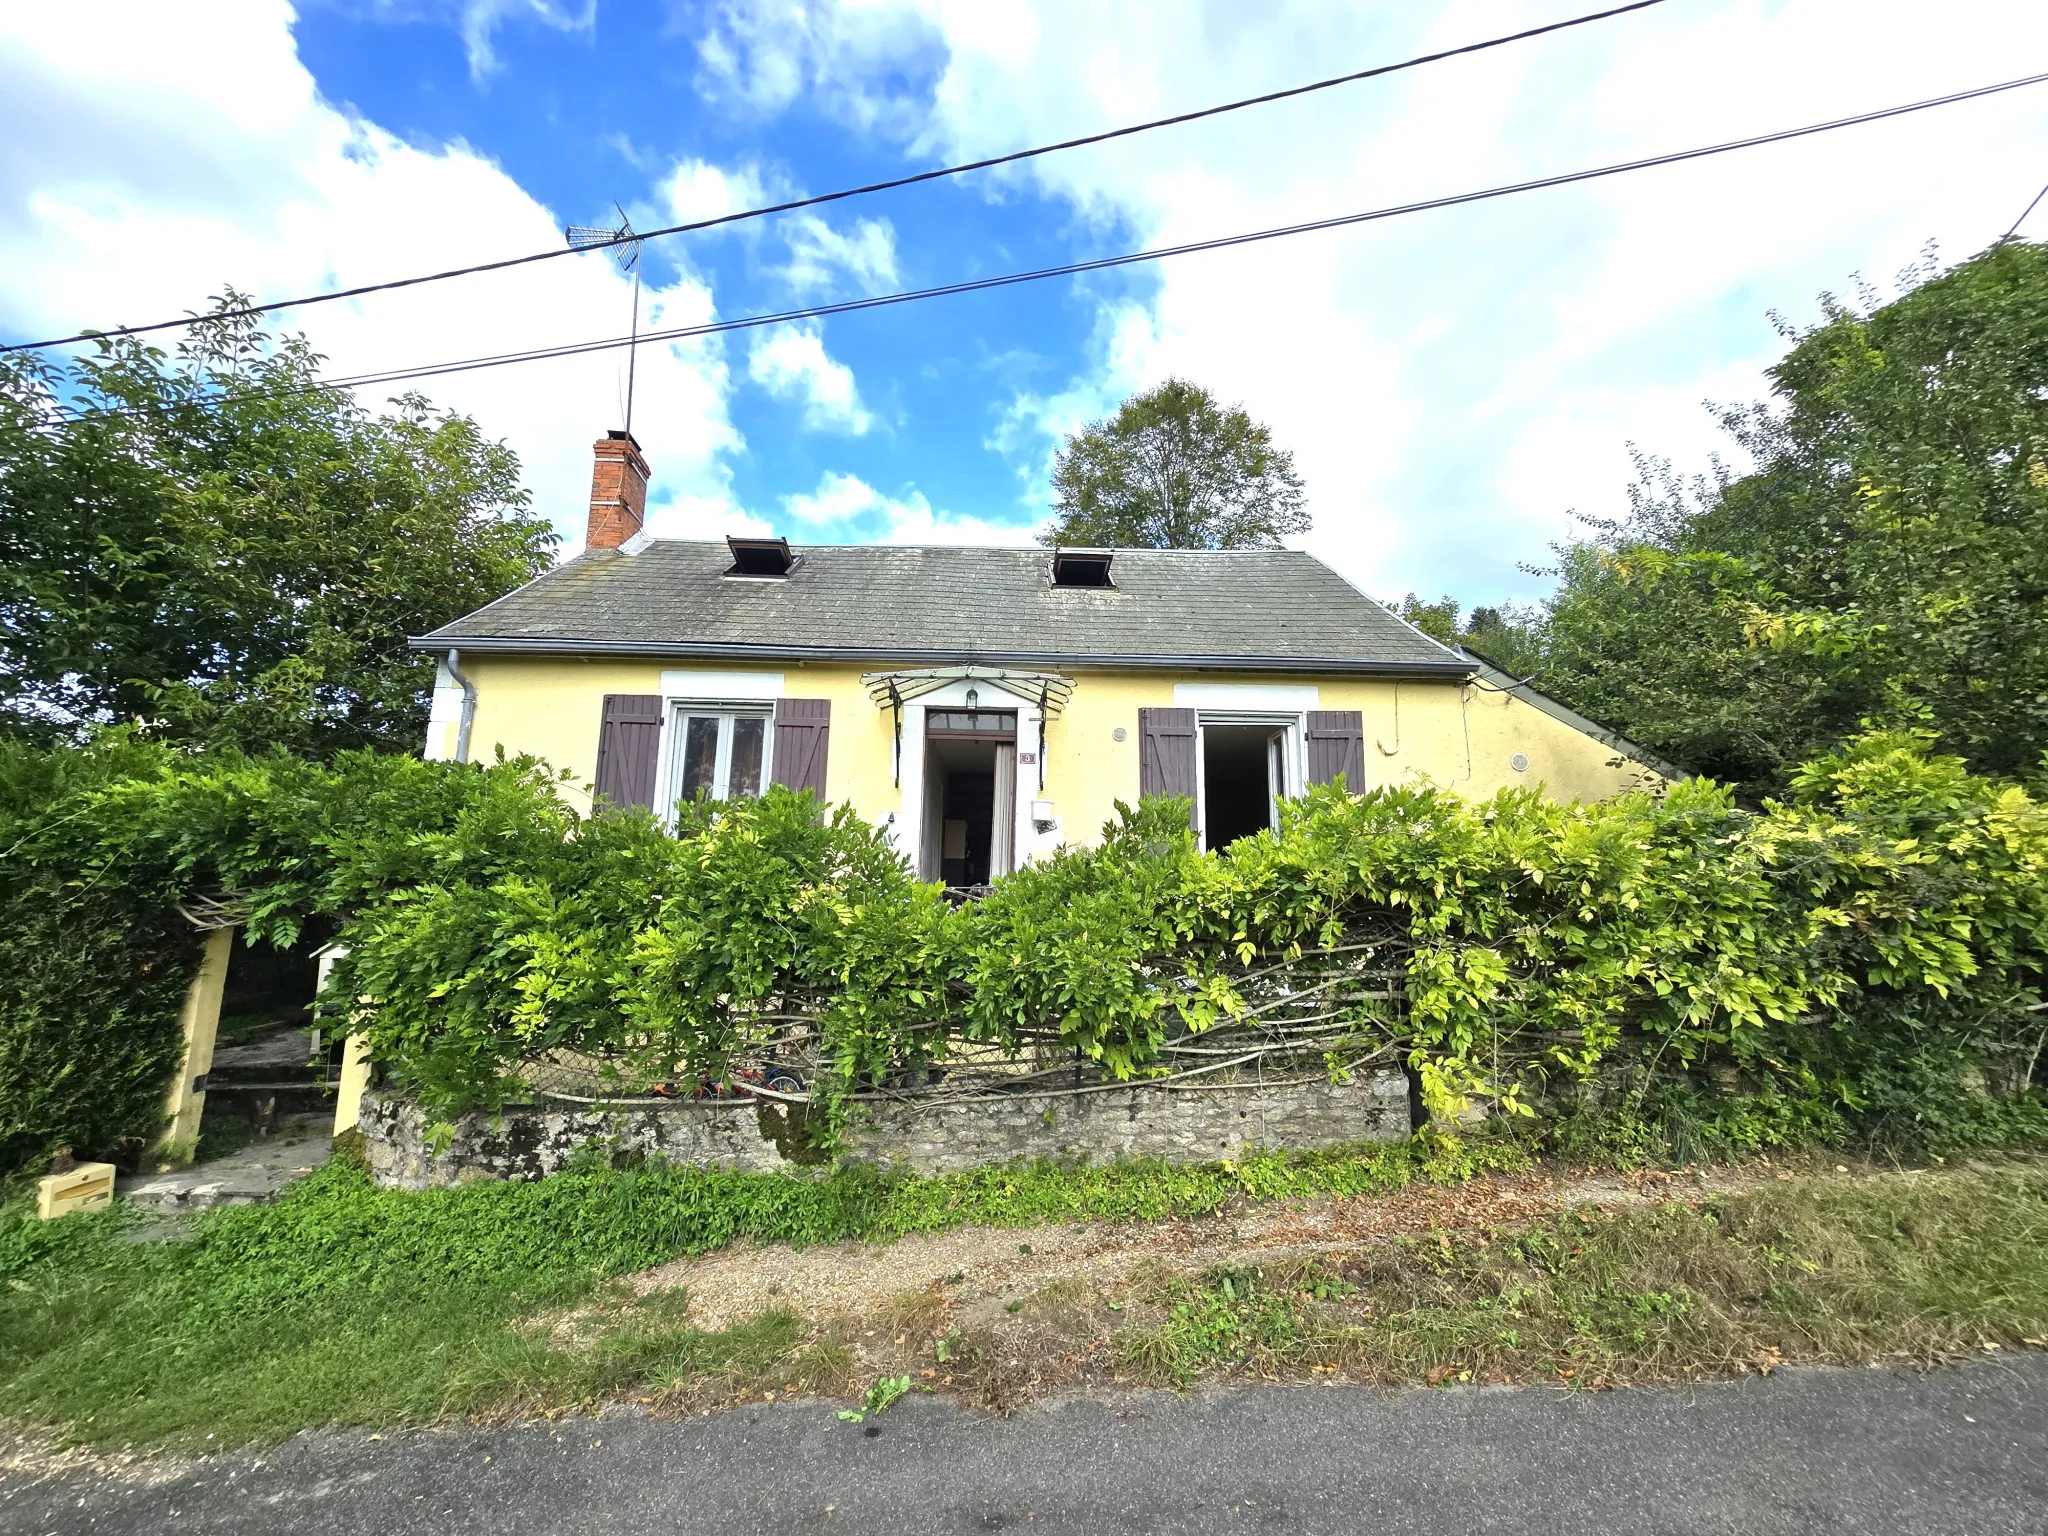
(847, 509)
(477, 21)
(482, 18)
(820, 255)
(791, 363)
(820, 258)
(1452, 383)
(850, 58)
(697, 189)
(1032, 427)
(209, 152)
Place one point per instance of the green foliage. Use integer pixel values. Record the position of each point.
(93, 970)
(880, 1396)
(99, 844)
(1173, 469)
(1508, 635)
(1885, 560)
(348, 1303)
(217, 545)
(1835, 1271)
(1870, 943)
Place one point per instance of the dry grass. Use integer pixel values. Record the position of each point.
(1840, 1270)
(1908, 1267)
(916, 1317)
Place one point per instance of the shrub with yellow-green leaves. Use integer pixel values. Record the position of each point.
(1857, 950)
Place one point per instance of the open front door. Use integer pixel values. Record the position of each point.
(1002, 853)
(970, 796)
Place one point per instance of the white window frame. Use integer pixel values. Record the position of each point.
(669, 767)
(1293, 732)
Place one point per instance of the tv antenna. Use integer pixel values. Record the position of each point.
(625, 248)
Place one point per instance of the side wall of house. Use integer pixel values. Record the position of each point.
(1461, 736)
(1466, 737)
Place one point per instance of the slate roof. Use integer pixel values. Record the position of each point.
(1263, 609)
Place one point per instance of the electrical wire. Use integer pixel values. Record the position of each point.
(1099, 264)
(2016, 223)
(861, 191)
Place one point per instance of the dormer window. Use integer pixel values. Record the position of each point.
(760, 557)
(1082, 568)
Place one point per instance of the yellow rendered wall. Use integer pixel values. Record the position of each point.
(552, 707)
(1461, 736)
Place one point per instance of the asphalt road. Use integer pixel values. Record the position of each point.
(1839, 1452)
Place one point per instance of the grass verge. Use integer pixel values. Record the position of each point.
(344, 1303)
(1911, 1267)
(351, 1305)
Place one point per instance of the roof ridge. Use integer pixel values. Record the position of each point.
(1008, 549)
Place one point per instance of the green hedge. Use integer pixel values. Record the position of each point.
(92, 970)
(1875, 938)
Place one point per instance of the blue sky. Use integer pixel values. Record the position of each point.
(1454, 385)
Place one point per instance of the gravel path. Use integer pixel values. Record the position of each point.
(977, 1265)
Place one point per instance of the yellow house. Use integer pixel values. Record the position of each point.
(983, 705)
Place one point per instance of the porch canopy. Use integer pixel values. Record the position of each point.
(1049, 691)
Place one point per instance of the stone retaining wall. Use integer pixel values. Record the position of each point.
(1183, 1125)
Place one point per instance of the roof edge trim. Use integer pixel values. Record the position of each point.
(1450, 667)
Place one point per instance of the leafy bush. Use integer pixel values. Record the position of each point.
(1873, 942)
(92, 970)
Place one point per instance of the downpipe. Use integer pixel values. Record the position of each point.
(468, 717)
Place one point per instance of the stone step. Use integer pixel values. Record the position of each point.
(255, 1175)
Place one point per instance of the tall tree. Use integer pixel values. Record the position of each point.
(1886, 559)
(213, 544)
(1506, 634)
(1172, 469)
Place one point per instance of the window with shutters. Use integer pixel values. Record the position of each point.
(718, 751)
(1248, 763)
(1235, 766)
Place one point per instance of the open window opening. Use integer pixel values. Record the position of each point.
(970, 794)
(1082, 568)
(1244, 776)
(765, 558)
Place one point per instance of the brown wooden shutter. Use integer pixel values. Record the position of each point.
(1166, 754)
(628, 746)
(1336, 744)
(802, 729)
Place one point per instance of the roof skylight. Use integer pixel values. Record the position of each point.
(1082, 568)
(760, 557)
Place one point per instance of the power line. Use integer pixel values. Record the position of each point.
(861, 191)
(1099, 264)
(2016, 223)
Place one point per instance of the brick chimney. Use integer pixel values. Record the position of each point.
(618, 491)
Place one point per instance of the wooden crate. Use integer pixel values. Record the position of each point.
(88, 1187)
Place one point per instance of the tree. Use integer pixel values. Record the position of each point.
(1505, 634)
(214, 544)
(1885, 561)
(1172, 469)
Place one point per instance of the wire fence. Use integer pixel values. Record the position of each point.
(1314, 1017)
